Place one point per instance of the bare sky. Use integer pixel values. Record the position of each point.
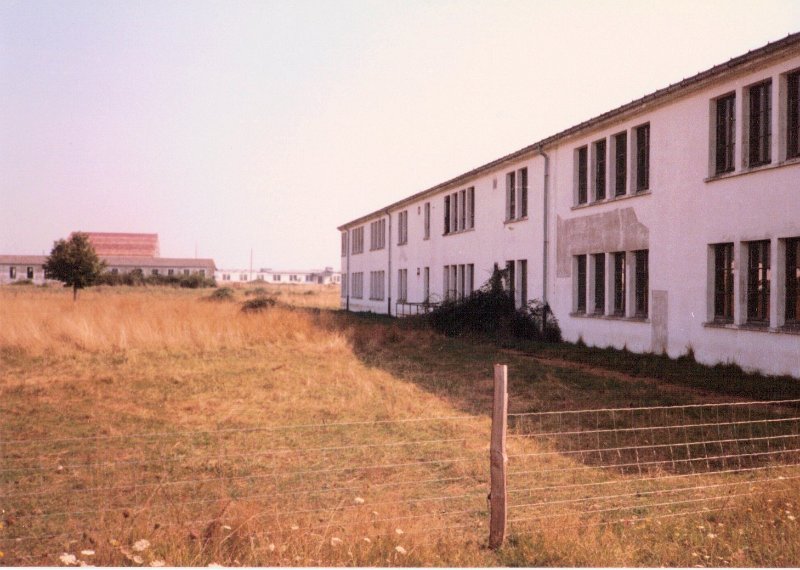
(234, 125)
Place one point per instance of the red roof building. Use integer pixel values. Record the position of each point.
(124, 244)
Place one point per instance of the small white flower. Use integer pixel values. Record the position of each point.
(336, 541)
(215, 565)
(226, 527)
(138, 559)
(399, 531)
(157, 563)
(358, 501)
(87, 552)
(367, 540)
(791, 517)
(68, 559)
(141, 545)
(271, 547)
(295, 527)
(400, 549)
(711, 535)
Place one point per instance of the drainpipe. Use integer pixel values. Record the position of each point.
(389, 263)
(545, 241)
(347, 293)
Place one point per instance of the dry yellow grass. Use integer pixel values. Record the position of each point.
(221, 485)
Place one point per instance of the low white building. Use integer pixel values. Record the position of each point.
(279, 277)
(21, 269)
(669, 224)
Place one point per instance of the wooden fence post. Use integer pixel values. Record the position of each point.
(498, 458)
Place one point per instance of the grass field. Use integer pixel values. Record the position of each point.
(219, 437)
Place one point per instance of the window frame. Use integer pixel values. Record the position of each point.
(621, 164)
(581, 276)
(792, 283)
(582, 174)
(759, 124)
(725, 133)
(600, 169)
(643, 158)
(758, 282)
(642, 283)
(619, 283)
(793, 114)
(599, 284)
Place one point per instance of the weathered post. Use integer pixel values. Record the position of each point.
(498, 458)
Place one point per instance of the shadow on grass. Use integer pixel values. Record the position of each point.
(546, 376)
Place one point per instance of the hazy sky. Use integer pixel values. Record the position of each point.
(237, 125)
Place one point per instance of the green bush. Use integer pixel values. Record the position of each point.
(490, 311)
(258, 304)
(257, 292)
(222, 294)
(137, 278)
(23, 282)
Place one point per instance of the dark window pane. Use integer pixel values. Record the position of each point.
(793, 281)
(723, 282)
(581, 300)
(642, 283)
(600, 283)
(726, 133)
(760, 124)
(642, 158)
(621, 163)
(619, 284)
(758, 282)
(582, 175)
(600, 170)
(523, 196)
(793, 115)
(447, 214)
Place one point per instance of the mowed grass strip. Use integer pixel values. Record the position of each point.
(220, 485)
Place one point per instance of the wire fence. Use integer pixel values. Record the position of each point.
(267, 488)
(275, 485)
(601, 467)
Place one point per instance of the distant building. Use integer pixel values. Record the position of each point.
(325, 276)
(122, 253)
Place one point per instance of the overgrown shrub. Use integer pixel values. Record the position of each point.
(222, 294)
(258, 304)
(490, 311)
(256, 292)
(137, 278)
(23, 282)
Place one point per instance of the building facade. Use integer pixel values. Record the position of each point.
(669, 224)
(325, 276)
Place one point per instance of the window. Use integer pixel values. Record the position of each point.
(358, 240)
(12, 272)
(511, 196)
(599, 283)
(642, 290)
(580, 285)
(402, 228)
(522, 272)
(309, 278)
(619, 284)
(723, 282)
(620, 164)
(358, 285)
(600, 170)
(759, 125)
(402, 285)
(758, 282)
(725, 133)
(243, 277)
(447, 214)
(170, 272)
(451, 282)
(185, 271)
(583, 182)
(376, 285)
(517, 194)
(154, 272)
(511, 277)
(643, 158)
(202, 273)
(276, 277)
(793, 281)
(427, 220)
(29, 272)
(459, 211)
(114, 271)
(377, 234)
(793, 115)
(343, 288)
(426, 284)
(344, 244)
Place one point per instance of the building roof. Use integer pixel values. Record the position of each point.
(124, 244)
(22, 259)
(776, 48)
(156, 262)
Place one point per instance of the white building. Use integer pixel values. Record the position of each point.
(325, 276)
(668, 224)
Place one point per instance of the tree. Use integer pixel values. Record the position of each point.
(74, 262)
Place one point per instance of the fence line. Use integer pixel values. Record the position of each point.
(651, 408)
(238, 430)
